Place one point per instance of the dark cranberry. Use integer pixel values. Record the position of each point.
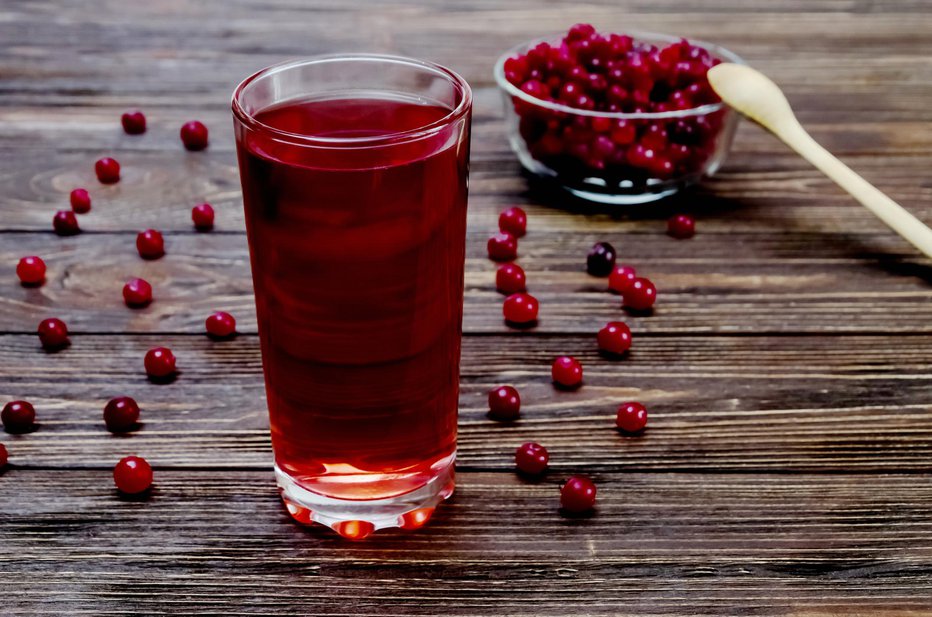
(510, 279)
(203, 217)
(681, 226)
(601, 259)
(531, 458)
(137, 293)
(632, 417)
(520, 308)
(4, 456)
(504, 403)
(220, 325)
(121, 414)
(661, 167)
(53, 333)
(18, 416)
(654, 137)
(621, 278)
(65, 223)
(514, 221)
(80, 201)
(150, 244)
(194, 135)
(640, 294)
(615, 337)
(640, 156)
(31, 271)
(503, 246)
(107, 170)
(566, 371)
(536, 89)
(159, 362)
(134, 122)
(132, 475)
(578, 494)
(624, 133)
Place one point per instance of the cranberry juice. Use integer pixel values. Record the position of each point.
(357, 258)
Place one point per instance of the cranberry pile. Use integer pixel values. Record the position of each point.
(614, 73)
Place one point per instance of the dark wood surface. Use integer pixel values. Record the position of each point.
(788, 366)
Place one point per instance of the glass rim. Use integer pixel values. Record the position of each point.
(426, 130)
(702, 110)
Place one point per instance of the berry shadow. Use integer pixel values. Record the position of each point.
(13, 430)
(144, 496)
(527, 325)
(129, 432)
(564, 388)
(228, 337)
(578, 516)
(638, 312)
(610, 355)
(161, 381)
(56, 348)
(32, 285)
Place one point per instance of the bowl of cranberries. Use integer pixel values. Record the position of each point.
(616, 118)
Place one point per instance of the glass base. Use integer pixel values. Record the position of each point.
(356, 519)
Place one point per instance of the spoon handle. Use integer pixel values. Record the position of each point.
(887, 210)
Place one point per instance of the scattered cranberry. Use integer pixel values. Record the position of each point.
(150, 244)
(531, 458)
(640, 295)
(132, 475)
(601, 259)
(65, 223)
(4, 456)
(107, 170)
(632, 417)
(121, 414)
(503, 246)
(621, 278)
(137, 293)
(80, 201)
(514, 221)
(520, 308)
(194, 135)
(18, 416)
(53, 333)
(220, 325)
(203, 217)
(615, 337)
(578, 494)
(566, 371)
(504, 403)
(31, 270)
(681, 226)
(160, 362)
(134, 122)
(510, 279)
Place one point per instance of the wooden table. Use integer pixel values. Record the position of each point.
(787, 367)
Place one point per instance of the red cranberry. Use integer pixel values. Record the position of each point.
(220, 325)
(194, 135)
(578, 494)
(137, 293)
(510, 279)
(502, 246)
(31, 270)
(504, 403)
(65, 223)
(80, 201)
(132, 475)
(640, 295)
(580, 32)
(531, 458)
(601, 259)
(632, 417)
(203, 217)
(107, 170)
(4, 456)
(160, 362)
(681, 226)
(615, 337)
(134, 122)
(53, 333)
(121, 414)
(621, 278)
(514, 221)
(18, 416)
(567, 371)
(520, 308)
(150, 244)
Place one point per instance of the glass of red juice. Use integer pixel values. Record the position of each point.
(354, 171)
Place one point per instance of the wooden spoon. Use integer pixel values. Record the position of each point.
(750, 92)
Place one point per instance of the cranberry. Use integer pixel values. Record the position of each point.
(107, 170)
(53, 333)
(80, 201)
(632, 417)
(621, 278)
(615, 337)
(203, 217)
(502, 246)
(137, 293)
(194, 135)
(31, 270)
(150, 244)
(601, 259)
(681, 226)
(520, 308)
(4, 456)
(504, 403)
(514, 221)
(578, 494)
(65, 223)
(134, 122)
(624, 133)
(160, 362)
(18, 416)
(132, 475)
(640, 295)
(567, 371)
(510, 279)
(220, 325)
(531, 458)
(121, 414)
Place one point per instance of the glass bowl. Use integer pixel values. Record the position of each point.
(592, 154)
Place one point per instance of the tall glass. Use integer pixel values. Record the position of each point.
(354, 172)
